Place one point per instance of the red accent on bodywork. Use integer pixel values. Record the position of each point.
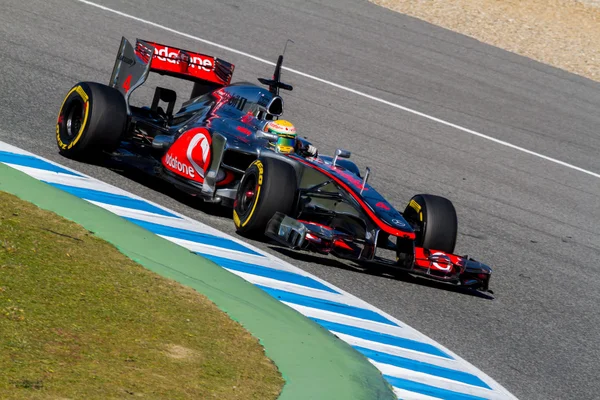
(437, 260)
(246, 119)
(381, 204)
(245, 131)
(356, 182)
(127, 83)
(142, 52)
(313, 238)
(222, 97)
(382, 225)
(342, 244)
(316, 224)
(229, 177)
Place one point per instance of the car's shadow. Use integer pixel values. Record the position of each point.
(168, 190)
(378, 270)
(220, 211)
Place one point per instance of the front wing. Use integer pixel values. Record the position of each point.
(434, 264)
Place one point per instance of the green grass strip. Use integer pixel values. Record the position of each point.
(314, 364)
(81, 320)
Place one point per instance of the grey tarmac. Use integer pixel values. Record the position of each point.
(535, 222)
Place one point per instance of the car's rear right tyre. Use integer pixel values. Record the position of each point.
(92, 119)
(435, 220)
(267, 187)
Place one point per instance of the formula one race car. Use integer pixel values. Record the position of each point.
(216, 148)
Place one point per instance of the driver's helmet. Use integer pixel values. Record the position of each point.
(286, 135)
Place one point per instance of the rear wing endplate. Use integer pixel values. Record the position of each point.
(132, 67)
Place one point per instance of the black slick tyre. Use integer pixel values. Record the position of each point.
(435, 220)
(92, 119)
(267, 187)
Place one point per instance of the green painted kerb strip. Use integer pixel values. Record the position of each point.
(314, 364)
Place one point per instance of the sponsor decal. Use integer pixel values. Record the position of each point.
(200, 141)
(414, 205)
(177, 165)
(245, 131)
(175, 56)
(82, 93)
(189, 156)
(383, 206)
(126, 60)
(261, 171)
(443, 258)
(398, 222)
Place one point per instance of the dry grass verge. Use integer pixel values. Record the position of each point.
(561, 33)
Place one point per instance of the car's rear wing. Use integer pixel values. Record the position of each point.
(189, 65)
(133, 65)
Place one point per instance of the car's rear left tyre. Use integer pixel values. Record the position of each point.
(92, 119)
(267, 187)
(435, 220)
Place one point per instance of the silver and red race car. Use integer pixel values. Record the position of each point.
(215, 147)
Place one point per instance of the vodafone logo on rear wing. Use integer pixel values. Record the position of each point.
(184, 63)
(175, 56)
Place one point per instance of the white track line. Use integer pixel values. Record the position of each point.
(354, 91)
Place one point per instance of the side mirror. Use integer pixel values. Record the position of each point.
(364, 182)
(266, 135)
(162, 142)
(342, 154)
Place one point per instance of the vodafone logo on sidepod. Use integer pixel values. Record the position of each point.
(189, 156)
(178, 166)
(199, 149)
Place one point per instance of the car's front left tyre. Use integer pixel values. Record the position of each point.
(267, 187)
(436, 222)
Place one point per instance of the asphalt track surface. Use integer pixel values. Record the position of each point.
(536, 222)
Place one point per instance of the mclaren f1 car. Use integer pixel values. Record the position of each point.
(215, 147)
